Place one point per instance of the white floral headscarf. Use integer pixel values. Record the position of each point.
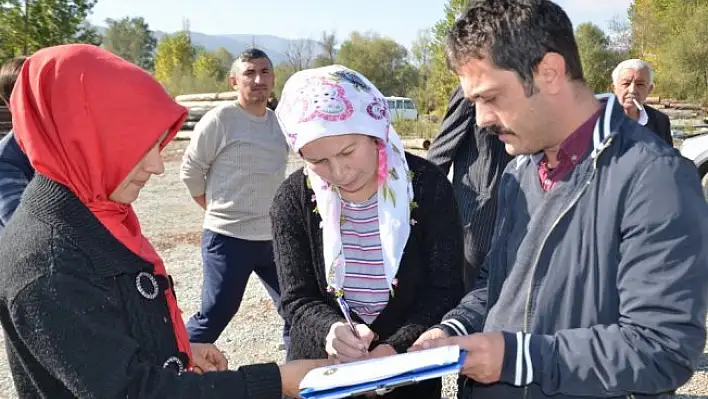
(332, 101)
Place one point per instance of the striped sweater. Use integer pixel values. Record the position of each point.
(365, 287)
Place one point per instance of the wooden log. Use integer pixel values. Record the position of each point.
(227, 95)
(687, 122)
(686, 106)
(679, 113)
(183, 135)
(189, 125)
(204, 104)
(653, 100)
(196, 114)
(197, 97)
(5, 115)
(416, 144)
(5, 121)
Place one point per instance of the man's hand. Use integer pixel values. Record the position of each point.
(344, 346)
(292, 373)
(201, 200)
(485, 355)
(435, 333)
(207, 357)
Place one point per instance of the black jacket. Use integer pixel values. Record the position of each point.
(479, 159)
(428, 276)
(659, 123)
(76, 324)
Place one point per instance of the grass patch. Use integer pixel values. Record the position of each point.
(416, 129)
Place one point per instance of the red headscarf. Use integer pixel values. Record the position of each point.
(85, 118)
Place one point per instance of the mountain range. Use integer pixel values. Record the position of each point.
(276, 47)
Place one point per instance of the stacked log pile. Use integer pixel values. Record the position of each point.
(200, 104)
(5, 121)
(684, 116)
(681, 113)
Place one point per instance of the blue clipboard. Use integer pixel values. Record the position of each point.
(388, 384)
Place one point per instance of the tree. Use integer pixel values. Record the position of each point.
(620, 35)
(300, 54)
(44, 23)
(225, 59)
(686, 74)
(174, 55)
(283, 72)
(329, 51)
(422, 59)
(208, 66)
(131, 39)
(597, 58)
(442, 80)
(380, 59)
(670, 35)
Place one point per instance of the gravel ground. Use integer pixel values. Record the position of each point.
(173, 223)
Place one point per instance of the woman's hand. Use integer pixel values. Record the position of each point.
(207, 357)
(344, 346)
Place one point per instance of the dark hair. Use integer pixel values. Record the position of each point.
(272, 103)
(246, 56)
(515, 35)
(252, 54)
(8, 77)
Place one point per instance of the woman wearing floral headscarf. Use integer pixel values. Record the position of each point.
(363, 222)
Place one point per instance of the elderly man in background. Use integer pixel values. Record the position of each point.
(632, 81)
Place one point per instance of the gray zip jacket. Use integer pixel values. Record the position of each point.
(613, 278)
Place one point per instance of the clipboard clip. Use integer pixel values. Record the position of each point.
(383, 390)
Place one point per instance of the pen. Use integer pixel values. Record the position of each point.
(345, 310)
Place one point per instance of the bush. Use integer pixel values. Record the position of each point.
(419, 129)
(185, 83)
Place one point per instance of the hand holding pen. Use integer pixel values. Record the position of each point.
(348, 341)
(346, 311)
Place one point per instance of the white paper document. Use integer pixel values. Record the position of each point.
(355, 373)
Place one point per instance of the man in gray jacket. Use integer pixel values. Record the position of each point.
(595, 283)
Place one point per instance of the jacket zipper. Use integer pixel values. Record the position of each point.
(543, 244)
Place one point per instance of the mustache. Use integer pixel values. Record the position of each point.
(498, 130)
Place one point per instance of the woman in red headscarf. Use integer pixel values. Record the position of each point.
(85, 301)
